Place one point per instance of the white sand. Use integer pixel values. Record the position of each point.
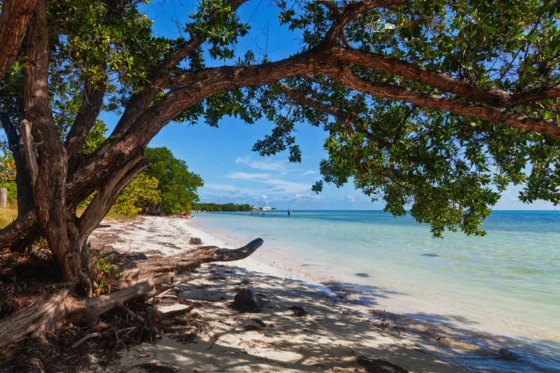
(330, 338)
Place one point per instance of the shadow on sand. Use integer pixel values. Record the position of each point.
(341, 326)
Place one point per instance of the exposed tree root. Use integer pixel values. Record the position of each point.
(150, 277)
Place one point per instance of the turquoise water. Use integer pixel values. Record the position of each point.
(502, 290)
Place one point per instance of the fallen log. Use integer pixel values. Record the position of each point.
(61, 306)
(186, 261)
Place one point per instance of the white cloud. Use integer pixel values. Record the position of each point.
(351, 198)
(247, 176)
(280, 186)
(224, 187)
(265, 164)
(310, 172)
(232, 189)
(264, 197)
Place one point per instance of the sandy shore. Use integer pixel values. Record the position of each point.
(335, 334)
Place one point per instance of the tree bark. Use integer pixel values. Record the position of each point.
(49, 180)
(13, 23)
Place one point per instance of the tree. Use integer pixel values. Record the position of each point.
(8, 174)
(429, 104)
(140, 195)
(177, 186)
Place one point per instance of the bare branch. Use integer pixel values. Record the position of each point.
(347, 119)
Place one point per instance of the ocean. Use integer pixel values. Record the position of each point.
(498, 292)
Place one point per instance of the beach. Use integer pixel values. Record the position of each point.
(337, 334)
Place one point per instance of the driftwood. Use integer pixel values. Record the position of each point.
(61, 306)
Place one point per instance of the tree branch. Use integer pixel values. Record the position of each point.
(10, 129)
(13, 25)
(92, 102)
(340, 115)
(494, 97)
(545, 127)
(533, 95)
(106, 196)
(330, 6)
(347, 119)
(139, 102)
(189, 46)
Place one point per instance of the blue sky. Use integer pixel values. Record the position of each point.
(223, 157)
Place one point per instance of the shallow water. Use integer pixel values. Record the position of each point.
(498, 291)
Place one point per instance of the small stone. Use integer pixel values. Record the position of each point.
(195, 241)
(379, 366)
(138, 257)
(298, 311)
(247, 301)
(507, 354)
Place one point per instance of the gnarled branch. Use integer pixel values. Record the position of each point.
(494, 97)
(545, 127)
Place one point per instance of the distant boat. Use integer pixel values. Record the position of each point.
(264, 208)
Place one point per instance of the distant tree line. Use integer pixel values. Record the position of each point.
(221, 207)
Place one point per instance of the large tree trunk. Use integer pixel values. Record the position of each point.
(44, 163)
(46, 155)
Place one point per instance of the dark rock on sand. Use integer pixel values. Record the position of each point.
(195, 241)
(362, 275)
(158, 367)
(138, 257)
(507, 354)
(298, 311)
(247, 301)
(379, 366)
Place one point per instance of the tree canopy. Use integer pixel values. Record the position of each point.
(433, 106)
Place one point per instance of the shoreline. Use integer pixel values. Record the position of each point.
(494, 309)
(439, 342)
(335, 335)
